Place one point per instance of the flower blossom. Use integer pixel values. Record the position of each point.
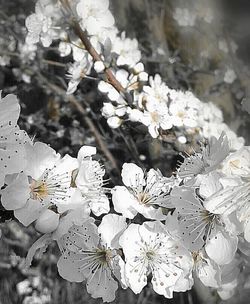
(89, 180)
(149, 249)
(88, 256)
(12, 153)
(95, 16)
(144, 194)
(44, 186)
(40, 25)
(201, 228)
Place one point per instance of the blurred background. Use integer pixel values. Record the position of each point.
(197, 45)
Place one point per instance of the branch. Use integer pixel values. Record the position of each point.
(83, 35)
(96, 57)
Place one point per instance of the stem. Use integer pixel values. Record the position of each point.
(96, 57)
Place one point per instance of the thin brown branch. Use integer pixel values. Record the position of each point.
(96, 57)
(83, 35)
(71, 98)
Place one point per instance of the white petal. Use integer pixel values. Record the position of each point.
(47, 221)
(102, 285)
(208, 272)
(111, 227)
(247, 230)
(15, 195)
(85, 151)
(221, 247)
(132, 175)
(68, 267)
(136, 274)
(30, 212)
(124, 202)
(99, 205)
(40, 157)
(75, 217)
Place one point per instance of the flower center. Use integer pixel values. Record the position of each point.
(181, 114)
(150, 255)
(39, 190)
(155, 116)
(144, 198)
(104, 256)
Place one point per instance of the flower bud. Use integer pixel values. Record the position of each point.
(47, 221)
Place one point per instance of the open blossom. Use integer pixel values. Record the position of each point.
(77, 71)
(156, 118)
(183, 108)
(95, 16)
(210, 157)
(235, 191)
(156, 92)
(12, 153)
(142, 193)
(40, 24)
(127, 50)
(90, 253)
(89, 180)
(41, 188)
(199, 227)
(149, 249)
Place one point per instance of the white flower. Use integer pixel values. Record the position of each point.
(86, 256)
(156, 92)
(155, 118)
(40, 24)
(12, 153)
(197, 224)
(89, 179)
(207, 160)
(237, 163)
(77, 71)
(95, 15)
(184, 108)
(148, 249)
(127, 50)
(44, 184)
(143, 194)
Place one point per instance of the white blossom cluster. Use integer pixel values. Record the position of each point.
(148, 100)
(163, 230)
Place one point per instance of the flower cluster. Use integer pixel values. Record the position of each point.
(162, 231)
(97, 46)
(166, 229)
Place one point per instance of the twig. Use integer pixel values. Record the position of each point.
(96, 57)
